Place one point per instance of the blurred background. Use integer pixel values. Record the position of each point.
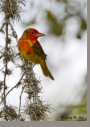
(64, 22)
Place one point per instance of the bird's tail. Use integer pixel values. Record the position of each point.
(45, 69)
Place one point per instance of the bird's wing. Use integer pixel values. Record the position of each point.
(39, 50)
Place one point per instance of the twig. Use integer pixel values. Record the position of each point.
(13, 87)
(6, 22)
(21, 2)
(14, 32)
(2, 68)
(10, 59)
(1, 56)
(1, 29)
(20, 99)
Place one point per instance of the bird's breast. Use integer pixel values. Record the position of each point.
(25, 45)
(27, 50)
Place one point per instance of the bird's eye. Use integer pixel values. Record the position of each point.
(32, 32)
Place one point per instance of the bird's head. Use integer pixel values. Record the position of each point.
(32, 34)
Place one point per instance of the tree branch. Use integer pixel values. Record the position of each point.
(6, 46)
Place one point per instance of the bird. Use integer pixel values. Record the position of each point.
(30, 48)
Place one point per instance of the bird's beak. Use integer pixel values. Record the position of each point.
(39, 35)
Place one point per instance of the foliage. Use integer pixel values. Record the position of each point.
(74, 112)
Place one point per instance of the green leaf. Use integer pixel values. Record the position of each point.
(54, 26)
(83, 25)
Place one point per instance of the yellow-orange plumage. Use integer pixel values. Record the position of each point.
(31, 50)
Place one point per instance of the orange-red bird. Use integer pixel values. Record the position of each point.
(31, 49)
